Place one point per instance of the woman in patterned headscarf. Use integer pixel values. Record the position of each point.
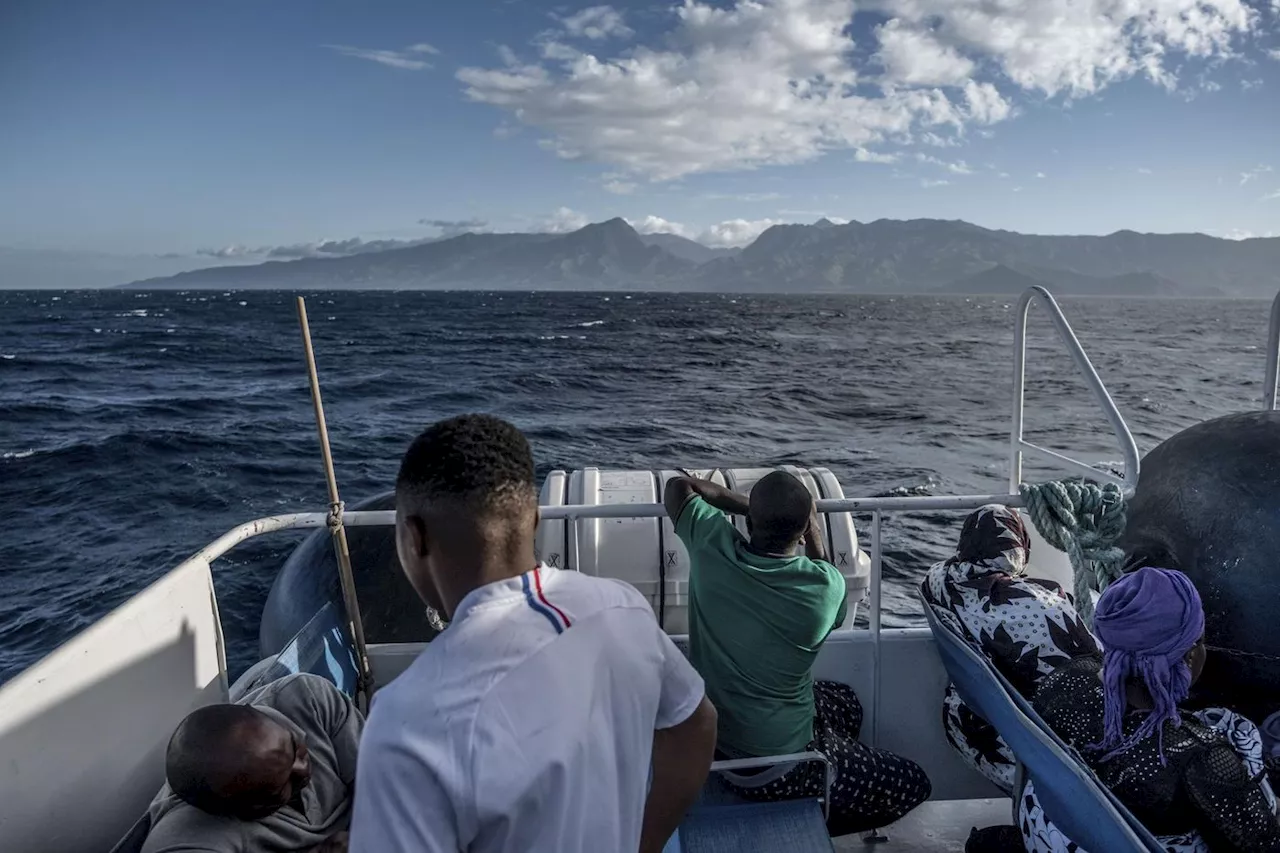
(1026, 626)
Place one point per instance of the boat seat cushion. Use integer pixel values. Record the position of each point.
(791, 826)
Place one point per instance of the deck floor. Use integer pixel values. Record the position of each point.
(935, 827)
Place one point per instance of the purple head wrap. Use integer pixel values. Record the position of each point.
(1147, 621)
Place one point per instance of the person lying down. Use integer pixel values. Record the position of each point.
(272, 773)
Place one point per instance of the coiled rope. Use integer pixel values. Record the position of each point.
(1084, 520)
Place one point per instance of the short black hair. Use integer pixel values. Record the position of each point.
(204, 747)
(479, 462)
(780, 508)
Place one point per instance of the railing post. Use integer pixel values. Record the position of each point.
(1017, 444)
(1273, 356)
(874, 624)
(1019, 389)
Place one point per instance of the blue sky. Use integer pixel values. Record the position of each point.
(180, 134)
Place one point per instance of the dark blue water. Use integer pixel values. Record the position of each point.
(135, 427)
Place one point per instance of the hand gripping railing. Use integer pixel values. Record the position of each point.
(1018, 444)
(1273, 356)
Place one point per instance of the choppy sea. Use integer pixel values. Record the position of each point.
(137, 426)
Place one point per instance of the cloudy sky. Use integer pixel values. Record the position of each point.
(188, 133)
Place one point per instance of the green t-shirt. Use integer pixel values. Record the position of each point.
(755, 626)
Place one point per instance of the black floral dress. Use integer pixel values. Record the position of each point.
(1026, 626)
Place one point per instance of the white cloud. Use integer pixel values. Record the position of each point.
(1246, 85)
(985, 104)
(657, 225)
(729, 234)
(1142, 170)
(409, 59)
(1271, 196)
(938, 141)
(738, 84)
(344, 247)
(1017, 189)
(747, 197)
(1077, 47)
(735, 232)
(1275, 53)
(619, 187)
(928, 184)
(562, 221)
(862, 155)
(959, 167)
(454, 227)
(914, 57)
(1255, 172)
(1041, 175)
(1245, 234)
(231, 252)
(759, 82)
(1003, 175)
(596, 23)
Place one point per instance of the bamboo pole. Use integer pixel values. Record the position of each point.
(364, 678)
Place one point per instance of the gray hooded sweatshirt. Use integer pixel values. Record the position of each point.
(331, 724)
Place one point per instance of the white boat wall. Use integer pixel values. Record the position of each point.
(82, 732)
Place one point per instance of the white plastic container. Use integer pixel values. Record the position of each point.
(646, 553)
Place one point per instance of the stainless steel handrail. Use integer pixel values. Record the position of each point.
(1017, 444)
(1273, 356)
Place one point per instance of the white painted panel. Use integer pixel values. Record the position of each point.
(622, 548)
(1047, 562)
(676, 558)
(83, 732)
(551, 541)
(912, 681)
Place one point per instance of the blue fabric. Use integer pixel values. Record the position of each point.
(1084, 809)
(320, 648)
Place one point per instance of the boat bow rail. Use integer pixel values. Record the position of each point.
(1273, 356)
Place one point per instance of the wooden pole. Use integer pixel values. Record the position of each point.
(364, 678)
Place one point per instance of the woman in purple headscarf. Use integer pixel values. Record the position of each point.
(1196, 780)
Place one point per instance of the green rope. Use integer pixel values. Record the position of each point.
(1084, 520)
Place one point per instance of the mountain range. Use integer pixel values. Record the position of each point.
(885, 256)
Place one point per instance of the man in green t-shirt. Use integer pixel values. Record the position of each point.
(759, 612)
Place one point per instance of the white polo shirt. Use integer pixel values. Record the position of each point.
(526, 726)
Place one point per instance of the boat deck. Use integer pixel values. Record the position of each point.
(935, 827)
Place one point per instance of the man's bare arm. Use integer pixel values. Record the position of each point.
(682, 758)
(815, 548)
(679, 489)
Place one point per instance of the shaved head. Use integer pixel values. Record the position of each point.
(780, 511)
(236, 760)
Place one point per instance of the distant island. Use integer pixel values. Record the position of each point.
(885, 256)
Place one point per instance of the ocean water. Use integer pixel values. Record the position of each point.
(135, 427)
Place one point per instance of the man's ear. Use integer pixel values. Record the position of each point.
(419, 541)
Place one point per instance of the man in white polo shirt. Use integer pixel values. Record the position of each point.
(531, 723)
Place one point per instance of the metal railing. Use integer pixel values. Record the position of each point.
(1273, 356)
(875, 506)
(1018, 444)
